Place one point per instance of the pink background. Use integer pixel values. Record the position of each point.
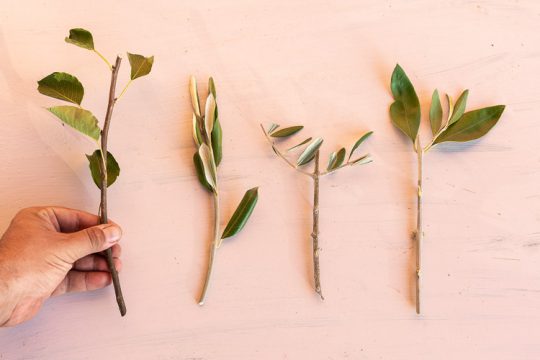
(324, 64)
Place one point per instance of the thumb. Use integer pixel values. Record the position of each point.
(92, 240)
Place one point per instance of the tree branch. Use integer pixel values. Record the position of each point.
(419, 231)
(315, 233)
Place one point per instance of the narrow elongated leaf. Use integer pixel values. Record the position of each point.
(337, 161)
(298, 145)
(459, 107)
(196, 132)
(63, 86)
(331, 159)
(95, 164)
(242, 213)
(285, 132)
(194, 93)
(362, 160)
(209, 167)
(435, 113)
(405, 110)
(272, 128)
(472, 125)
(217, 135)
(212, 87)
(209, 114)
(309, 152)
(199, 168)
(81, 37)
(359, 142)
(79, 119)
(140, 65)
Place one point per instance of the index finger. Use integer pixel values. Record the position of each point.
(72, 220)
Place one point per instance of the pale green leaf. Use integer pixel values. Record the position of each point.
(95, 162)
(63, 86)
(81, 37)
(196, 131)
(359, 142)
(272, 128)
(209, 166)
(194, 93)
(337, 160)
(199, 168)
(209, 114)
(435, 113)
(140, 65)
(298, 145)
(79, 119)
(361, 160)
(309, 152)
(405, 110)
(459, 107)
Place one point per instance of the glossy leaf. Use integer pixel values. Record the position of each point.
(79, 119)
(288, 131)
(209, 167)
(209, 114)
(472, 125)
(309, 152)
(337, 160)
(298, 145)
(95, 164)
(242, 213)
(140, 65)
(81, 37)
(194, 94)
(435, 113)
(359, 142)
(272, 128)
(63, 86)
(405, 110)
(217, 148)
(199, 168)
(459, 108)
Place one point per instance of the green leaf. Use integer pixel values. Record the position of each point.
(95, 162)
(472, 125)
(287, 131)
(209, 114)
(217, 135)
(435, 113)
(359, 142)
(405, 110)
(140, 65)
(459, 107)
(241, 214)
(337, 159)
(196, 131)
(361, 160)
(63, 86)
(298, 145)
(212, 87)
(194, 93)
(209, 166)
(309, 152)
(79, 119)
(81, 37)
(272, 128)
(199, 167)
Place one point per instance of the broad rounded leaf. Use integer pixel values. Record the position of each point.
(459, 108)
(95, 162)
(309, 152)
(199, 168)
(81, 37)
(435, 113)
(359, 142)
(298, 145)
(79, 119)
(286, 131)
(242, 213)
(405, 110)
(472, 125)
(209, 167)
(140, 65)
(217, 135)
(63, 86)
(194, 93)
(337, 160)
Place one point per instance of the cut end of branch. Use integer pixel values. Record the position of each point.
(318, 291)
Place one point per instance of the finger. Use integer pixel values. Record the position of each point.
(77, 281)
(88, 241)
(72, 220)
(116, 250)
(96, 263)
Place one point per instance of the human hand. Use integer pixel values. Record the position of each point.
(48, 251)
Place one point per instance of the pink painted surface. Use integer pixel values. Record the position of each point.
(325, 64)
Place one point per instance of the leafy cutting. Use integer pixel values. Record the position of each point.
(310, 154)
(459, 126)
(66, 87)
(207, 134)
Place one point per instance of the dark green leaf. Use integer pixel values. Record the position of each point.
(309, 152)
(140, 65)
(95, 163)
(212, 87)
(199, 167)
(63, 86)
(459, 107)
(242, 213)
(298, 145)
(405, 110)
(472, 125)
(81, 37)
(217, 135)
(435, 113)
(359, 142)
(336, 160)
(286, 131)
(79, 119)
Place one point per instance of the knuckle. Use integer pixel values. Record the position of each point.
(96, 237)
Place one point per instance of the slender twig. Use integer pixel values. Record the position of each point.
(104, 59)
(315, 233)
(124, 90)
(419, 231)
(213, 248)
(103, 205)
